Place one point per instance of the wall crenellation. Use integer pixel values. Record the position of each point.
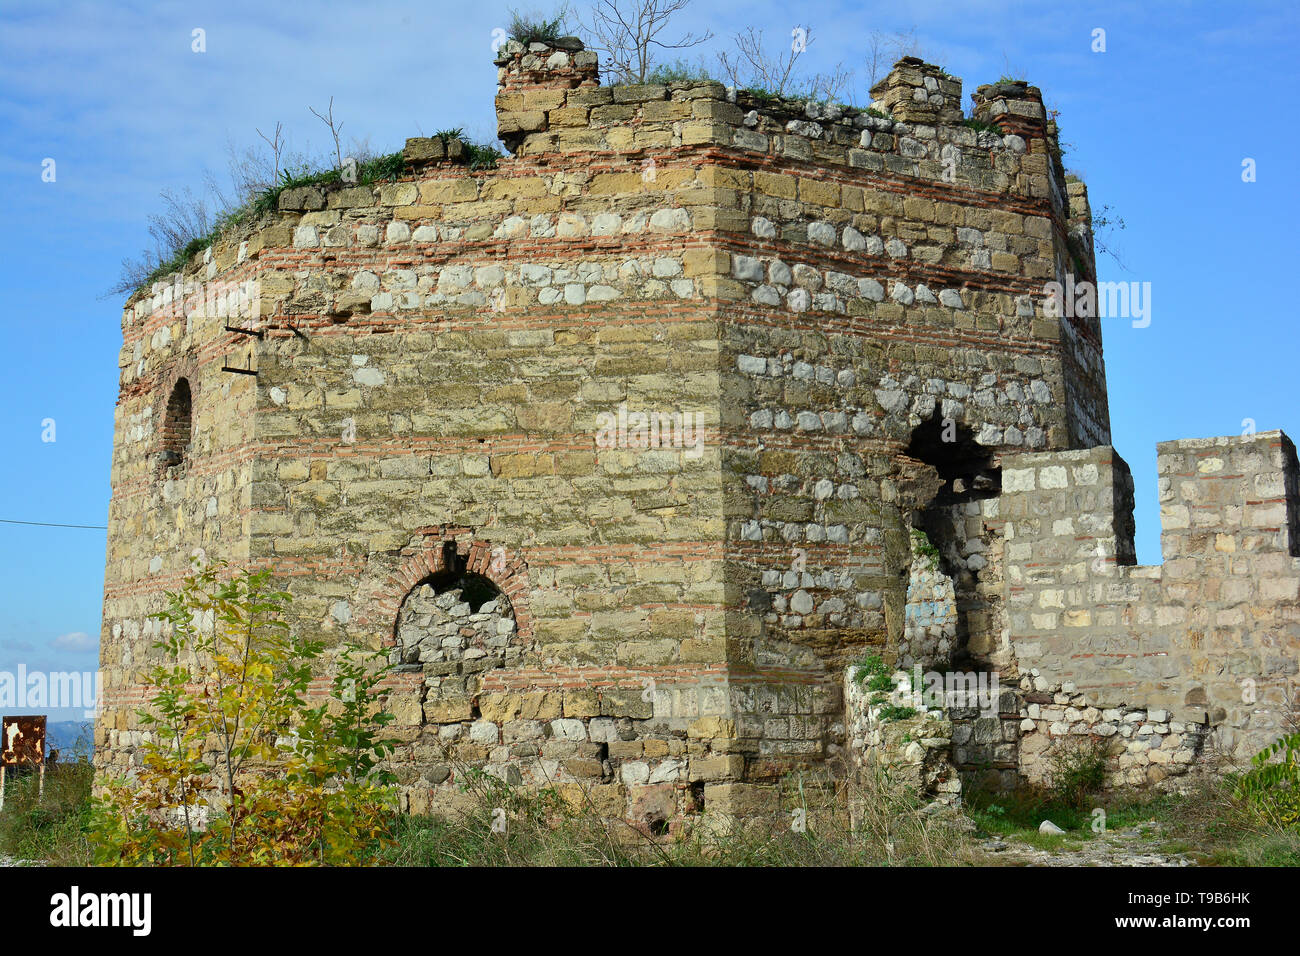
(1209, 636)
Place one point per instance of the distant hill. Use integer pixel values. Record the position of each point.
(70, 737)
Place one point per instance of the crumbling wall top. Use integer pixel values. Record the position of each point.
(918, 92)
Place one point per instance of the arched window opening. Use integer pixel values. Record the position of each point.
(177, 425)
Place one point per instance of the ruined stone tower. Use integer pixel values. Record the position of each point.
(619, 448)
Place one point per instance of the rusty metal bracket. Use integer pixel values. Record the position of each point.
(237, 370)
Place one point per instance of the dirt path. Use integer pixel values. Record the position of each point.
(1140, 845)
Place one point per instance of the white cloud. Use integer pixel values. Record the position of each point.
(76, 642)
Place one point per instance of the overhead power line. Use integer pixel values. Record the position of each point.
(54, 524)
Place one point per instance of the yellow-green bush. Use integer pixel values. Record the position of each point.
(239, 768)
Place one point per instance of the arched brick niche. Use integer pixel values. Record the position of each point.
(462, 622)
(444, 563)
(453, 622)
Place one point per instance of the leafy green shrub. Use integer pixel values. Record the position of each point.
(1271, 787)
(922, 548)
(679, 71)
(871, 673)
(892, 712)
(800, 93)
(761, 94)
(982, 126)
(481, 156)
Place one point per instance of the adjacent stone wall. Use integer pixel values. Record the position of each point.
(1208, 641)
(1142, 746)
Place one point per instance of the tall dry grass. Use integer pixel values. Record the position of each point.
(873, 821)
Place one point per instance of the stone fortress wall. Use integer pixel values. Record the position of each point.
(842, 310)
(1157, 656)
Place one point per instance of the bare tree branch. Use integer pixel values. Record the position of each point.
(886, 49)
(185, 218)
(627, 33)
(753, 66)
(188, 216)
(1102, 224)
(277, 147)
(335, 130)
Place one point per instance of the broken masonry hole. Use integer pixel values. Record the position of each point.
(967, 470)
(697, 796)
(477, 590)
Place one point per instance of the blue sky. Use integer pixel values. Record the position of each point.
(1159, 125)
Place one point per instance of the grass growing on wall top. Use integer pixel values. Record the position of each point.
(530, 28)
(264, 202)
(877, 680)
